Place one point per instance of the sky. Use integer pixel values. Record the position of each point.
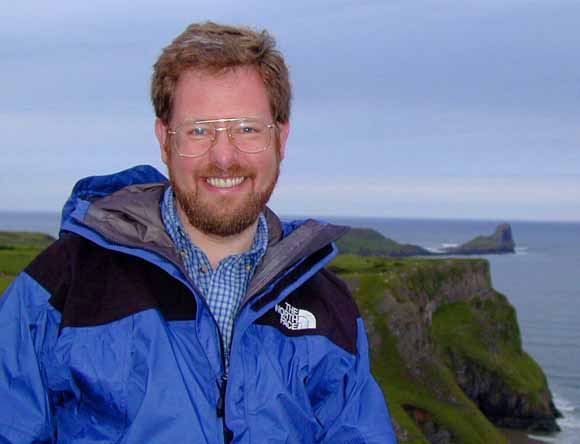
(402, 108)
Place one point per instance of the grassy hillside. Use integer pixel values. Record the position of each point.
(468, 328)
(368, 242)
(17, 249)
(24, 239)
(423, 316)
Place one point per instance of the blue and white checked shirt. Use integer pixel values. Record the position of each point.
(224, 287)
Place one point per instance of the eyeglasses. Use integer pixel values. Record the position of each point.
(195, 138)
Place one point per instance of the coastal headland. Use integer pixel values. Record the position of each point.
(447, 351)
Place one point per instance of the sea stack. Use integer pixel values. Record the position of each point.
(501, 241)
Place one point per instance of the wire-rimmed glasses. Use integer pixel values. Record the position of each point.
(194, 138)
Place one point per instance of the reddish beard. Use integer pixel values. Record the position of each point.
(217, 218)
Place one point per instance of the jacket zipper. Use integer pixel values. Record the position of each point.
(221, 404)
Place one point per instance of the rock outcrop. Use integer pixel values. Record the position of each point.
(501, 241)
(446, 349)
(507, 408)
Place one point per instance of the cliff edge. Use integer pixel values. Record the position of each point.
(446, 349)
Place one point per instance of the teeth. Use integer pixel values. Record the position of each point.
(220, 182)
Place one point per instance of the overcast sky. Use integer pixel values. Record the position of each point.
(414, 108)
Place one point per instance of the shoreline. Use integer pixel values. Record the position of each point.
(519, 437)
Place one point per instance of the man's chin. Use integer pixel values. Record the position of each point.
(224, 228)
(224, 224)
(223, 218)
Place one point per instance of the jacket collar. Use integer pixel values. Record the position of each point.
(131, 217)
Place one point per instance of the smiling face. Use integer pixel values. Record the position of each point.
(222, 192)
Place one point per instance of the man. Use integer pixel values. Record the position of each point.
(186, 311)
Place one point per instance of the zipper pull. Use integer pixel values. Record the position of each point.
(221, 404)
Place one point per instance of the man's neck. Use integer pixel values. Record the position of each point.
(217, 247)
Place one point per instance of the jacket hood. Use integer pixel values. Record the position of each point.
(94, 187)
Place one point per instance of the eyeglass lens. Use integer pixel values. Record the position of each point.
(195, 138)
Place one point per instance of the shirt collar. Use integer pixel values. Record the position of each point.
(175, 228)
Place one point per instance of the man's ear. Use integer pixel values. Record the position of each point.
(283, 130)
(161, 133)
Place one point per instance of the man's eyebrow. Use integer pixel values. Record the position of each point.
(224, 119)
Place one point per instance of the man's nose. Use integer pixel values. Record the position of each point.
(223, 153)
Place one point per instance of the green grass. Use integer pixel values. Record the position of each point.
(468, 328)
(24, 239)
(409, 277)
(4, 283)
(13, 262)
(17, 249)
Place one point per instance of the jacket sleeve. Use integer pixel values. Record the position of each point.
(352, 407)
(28, 324)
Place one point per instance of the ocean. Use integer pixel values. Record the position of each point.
(541, 280)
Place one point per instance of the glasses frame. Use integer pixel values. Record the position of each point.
(217, 129)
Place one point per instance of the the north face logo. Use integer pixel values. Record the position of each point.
(294, 318)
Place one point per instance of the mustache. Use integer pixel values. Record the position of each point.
(234, 170)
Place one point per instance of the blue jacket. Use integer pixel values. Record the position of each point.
(103, 339)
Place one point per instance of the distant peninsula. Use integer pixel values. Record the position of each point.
(369, 242)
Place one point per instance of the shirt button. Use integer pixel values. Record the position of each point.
(203, 269)
(183, 253)
(248, 267)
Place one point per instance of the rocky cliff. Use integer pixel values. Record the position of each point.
(446, 349)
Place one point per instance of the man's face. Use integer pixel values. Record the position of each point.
(222, 192)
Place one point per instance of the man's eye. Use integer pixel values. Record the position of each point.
(249, 129)
(198, 131)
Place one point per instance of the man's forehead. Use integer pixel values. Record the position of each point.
(228, 76)
(237, 92)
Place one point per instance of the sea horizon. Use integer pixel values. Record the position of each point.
(284, 215)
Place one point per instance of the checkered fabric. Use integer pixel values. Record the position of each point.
(223, 287)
